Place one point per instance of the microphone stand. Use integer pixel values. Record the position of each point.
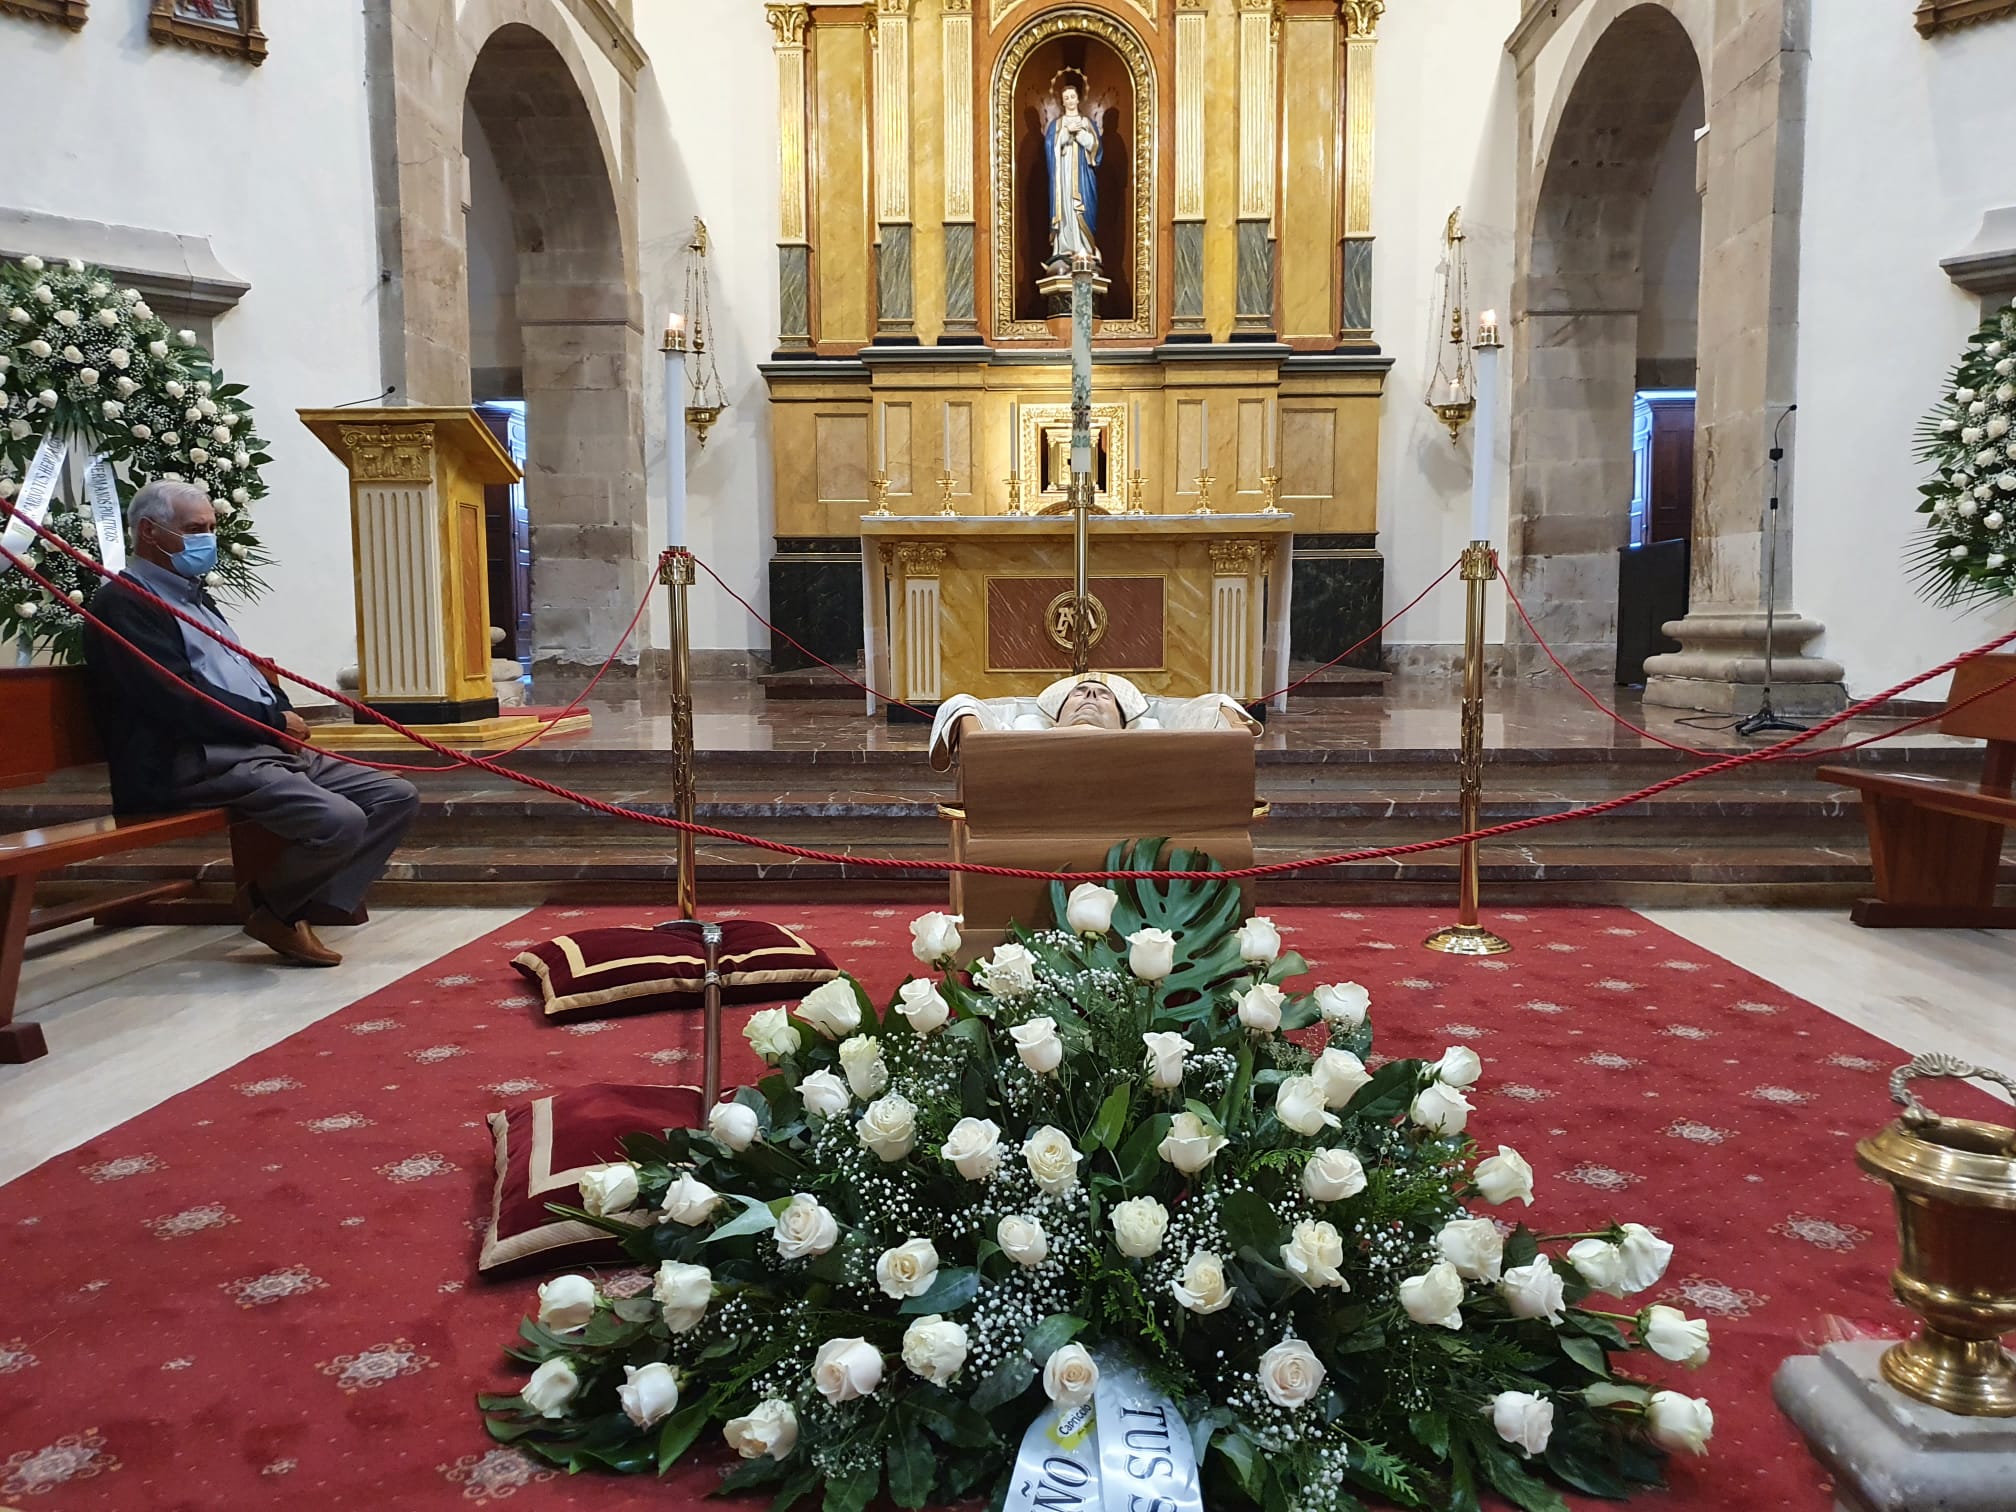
(1766, 720)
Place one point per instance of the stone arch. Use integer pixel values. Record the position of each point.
(1581, 297)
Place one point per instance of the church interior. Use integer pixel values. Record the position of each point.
(738, 569)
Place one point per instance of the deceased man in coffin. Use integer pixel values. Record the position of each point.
(1088, 701)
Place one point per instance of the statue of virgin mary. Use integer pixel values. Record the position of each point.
(1072, 149)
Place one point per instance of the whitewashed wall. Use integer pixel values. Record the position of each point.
(272, 165)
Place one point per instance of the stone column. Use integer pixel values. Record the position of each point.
(1187, 316)
(1752, 166)
(1361, 34)
(962, 323)
(895, 290)
(794, 252)
(1253, 310)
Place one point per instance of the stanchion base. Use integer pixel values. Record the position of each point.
(1466, 940)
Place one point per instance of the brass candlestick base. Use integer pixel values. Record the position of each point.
(1270, 492)
(1466, 940)
(1135, 485)
(878, 490)
(1014, 482)
(1204, 482)
(945, 493)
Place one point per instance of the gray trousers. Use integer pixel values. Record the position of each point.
(344, 821)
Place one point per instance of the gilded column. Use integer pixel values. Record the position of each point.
(961, 317)
(794, 253)
(1187, 315)
(895, 294)
(1361, 33)
(1253, 313)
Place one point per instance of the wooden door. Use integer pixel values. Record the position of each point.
(508, 537)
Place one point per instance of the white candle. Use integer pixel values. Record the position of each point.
(1203, 437)
(1483, 471)
(1272, 420)
(1137, 435)
(675, 438)
(1014, 438)
(948, 437)
(882, 445)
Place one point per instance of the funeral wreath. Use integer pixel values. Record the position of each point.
(1967, 549)
(97, 397)
(1117, 1218)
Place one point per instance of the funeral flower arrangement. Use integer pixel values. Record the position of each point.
(1118, 1209)
(94, 386)
(1968, 547)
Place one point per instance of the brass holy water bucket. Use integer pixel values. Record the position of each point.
(1955, 1181)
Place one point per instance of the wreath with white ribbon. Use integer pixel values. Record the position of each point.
(97, 397)
(1968, 548)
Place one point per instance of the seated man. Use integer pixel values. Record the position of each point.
(168, 749)
(1094, 701)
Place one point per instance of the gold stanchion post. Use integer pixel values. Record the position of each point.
(676, 573)
(1466, 936)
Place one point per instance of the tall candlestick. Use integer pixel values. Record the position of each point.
(1484, 471)
(882, 446)
(1014, 438)
(1204, 436)
(675, 433)
(947, 416)
(1272, 421)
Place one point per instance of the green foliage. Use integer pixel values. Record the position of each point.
(1967, 550)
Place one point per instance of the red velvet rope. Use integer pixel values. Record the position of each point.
(890, 863)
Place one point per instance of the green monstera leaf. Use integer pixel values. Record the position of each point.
(1203, 915)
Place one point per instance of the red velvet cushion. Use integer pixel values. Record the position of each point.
(543, 1146)
(666, 967)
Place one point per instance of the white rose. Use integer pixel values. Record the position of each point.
(770, 1428)
(1314, 1254)
(1332, 1175)
(144, 311)
(44, 294)
(1164, 1060)
(1434, 1298)
(18, 315)
(1298, 1103)
(175, 390)
(109, 319)
(689, 1200)
(805, 1230)
(72, 355)
(934, 937)
(733, 1124)
(1459, 1067)
(1474, 1246)
(1089, 909)
(1338, 1075)
(1672, 1335)
(1504, 1176)
(769, 1031)
(566, 1303)
(40, 348)
(935, 1348)
(206, 407)
(607, 1189)
(847, 1368)
(33, 263)
(1009, 972)
(551, 1388)
(74, 264)
(1260, 1008)
(1600, 1263)
(862, 1064)
(125, 387)
(1645, 1256)
(1070, 1376)
(1290, 1373)
(1201, 1288)
(158, 349)
(89, 378)
(824, 1093)
(1151, 954)
(1995, 561)
(1139, 1225)
(1523, 1419)
(923, 1005)
(18, 428)
(1190, 1145)
(1998, 427)
(1344, 1004)
(889, 1127)
(243, 496)
(198, 456)
(1680, 1422)
(26, 610)
(171, 438)
(1022, 1240)
(974, 1148)
(66, 319)
(142, 432)
(1993, 519)
(1037, 1044)
(1533, 1290)
(832, 1009)
(1052, 1159)
(1259, 941)
(1440, 1109)
(682, 1293)
(907, 1270)
(221, 434)
(1958, 553)
(241, 458)
(112, 409)
(46, 398)
(186, 337)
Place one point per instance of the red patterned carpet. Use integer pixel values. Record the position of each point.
(262, 1293)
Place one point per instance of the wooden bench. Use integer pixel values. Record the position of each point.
(1936, 842)
(50, 729)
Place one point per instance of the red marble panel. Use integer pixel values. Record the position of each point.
(1018, 640)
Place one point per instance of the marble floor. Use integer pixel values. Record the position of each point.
(135, 1017)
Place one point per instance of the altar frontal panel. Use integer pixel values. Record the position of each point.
(1022, 619)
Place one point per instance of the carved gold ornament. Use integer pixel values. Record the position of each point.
(390, 453)
(1060, 619)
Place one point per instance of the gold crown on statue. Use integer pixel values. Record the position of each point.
(1073, 77)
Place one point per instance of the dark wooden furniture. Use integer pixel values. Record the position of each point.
(1936, 842)
(49, 728)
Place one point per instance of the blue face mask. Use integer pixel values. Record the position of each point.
(197, 558)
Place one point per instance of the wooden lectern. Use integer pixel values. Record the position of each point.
(1056, 800)
(416, 530)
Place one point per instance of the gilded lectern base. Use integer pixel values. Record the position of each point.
(1467, 940)
(1974, 1377)
(474, 734)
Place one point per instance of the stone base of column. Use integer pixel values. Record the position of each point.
(1720, 667)
(1888, 1452)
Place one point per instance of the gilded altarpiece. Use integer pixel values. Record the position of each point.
(1229, 148)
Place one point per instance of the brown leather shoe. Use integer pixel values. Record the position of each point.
(296, 942)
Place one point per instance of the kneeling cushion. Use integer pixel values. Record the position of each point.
(666, 967)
